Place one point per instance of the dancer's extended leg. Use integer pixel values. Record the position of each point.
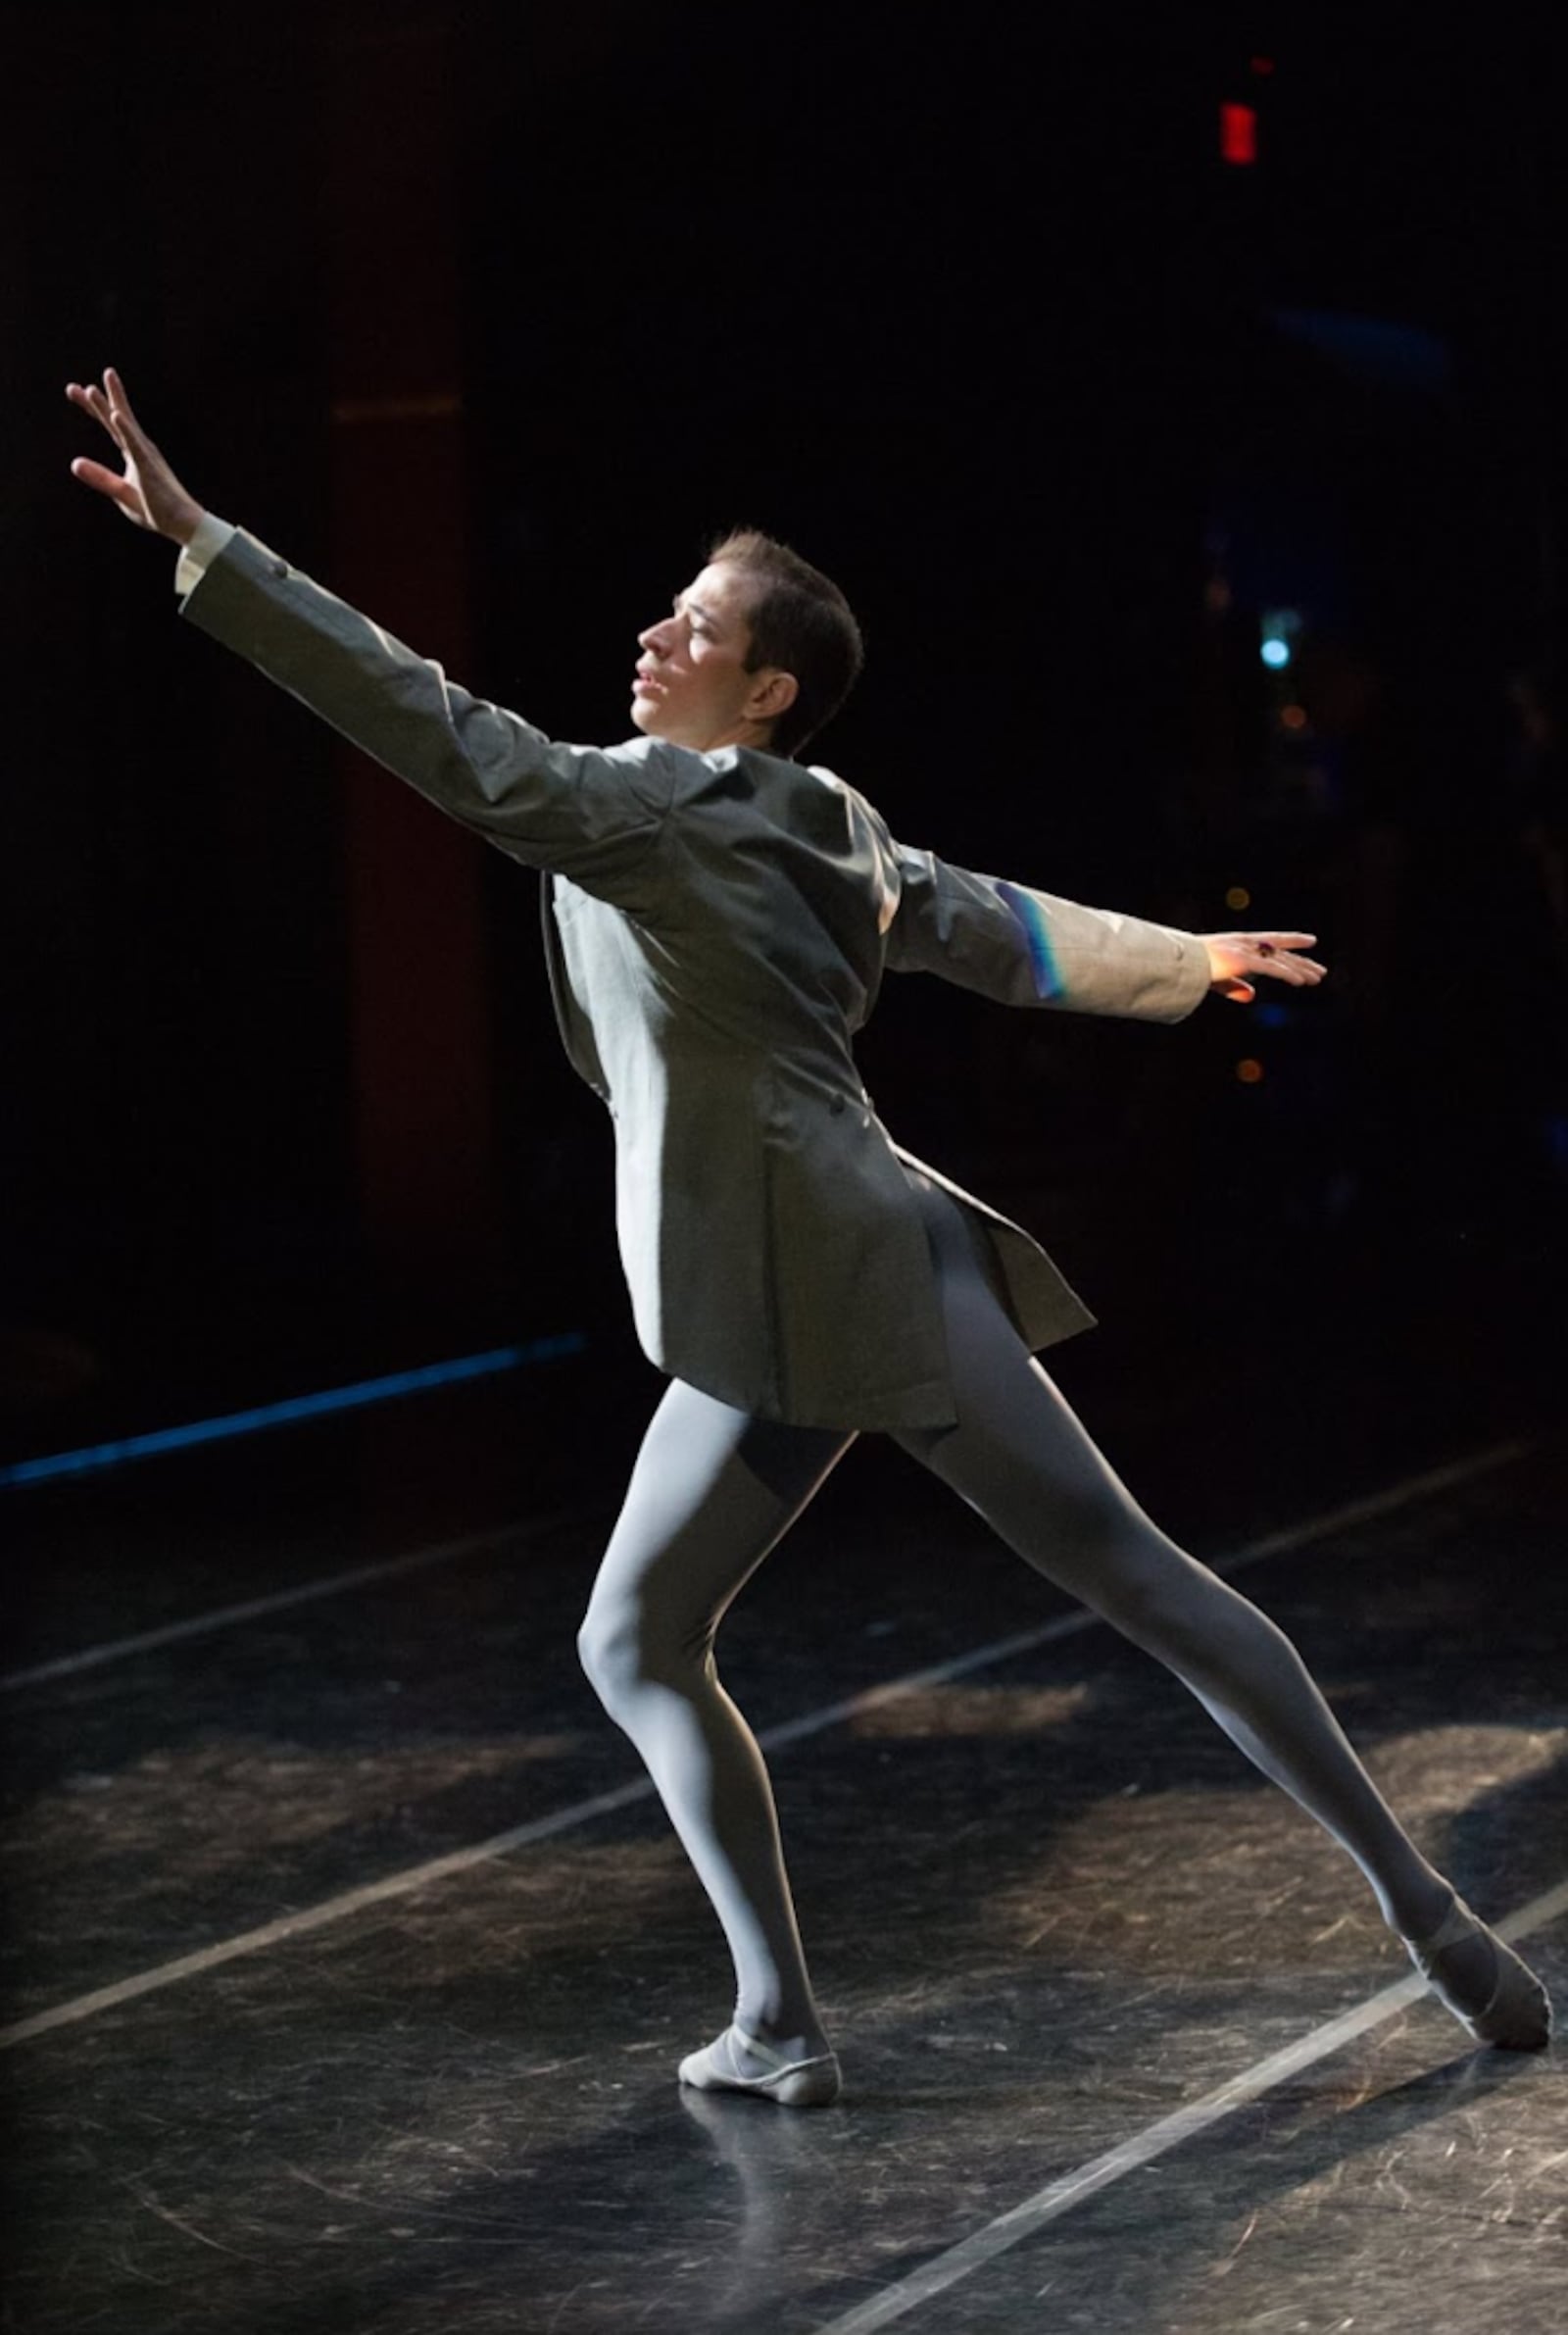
(712, 1492)
(1021, 1457)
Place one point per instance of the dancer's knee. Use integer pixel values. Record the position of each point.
(1150, 1590)
(609, 1650)
(622, 1649)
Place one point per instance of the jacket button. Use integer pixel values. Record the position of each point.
(837, 1106)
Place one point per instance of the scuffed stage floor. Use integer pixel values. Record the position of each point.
(1048, 1910)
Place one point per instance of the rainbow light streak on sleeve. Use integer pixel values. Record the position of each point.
(1031, 915)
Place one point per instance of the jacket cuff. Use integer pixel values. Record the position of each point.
(196, 557)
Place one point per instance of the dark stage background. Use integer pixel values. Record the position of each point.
(488, 317)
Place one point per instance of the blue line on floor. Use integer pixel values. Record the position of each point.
(293, 1408)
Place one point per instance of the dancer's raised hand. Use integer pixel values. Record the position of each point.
(148, 493)
(1237, 959)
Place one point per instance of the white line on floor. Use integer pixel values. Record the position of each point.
(1059, 2197)
(583, 1811)
(252, 1609)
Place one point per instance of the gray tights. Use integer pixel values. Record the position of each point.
(714, 1490)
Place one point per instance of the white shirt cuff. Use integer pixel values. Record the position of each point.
(212, 534)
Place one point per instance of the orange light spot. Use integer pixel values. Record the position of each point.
(1238, 897)
(1293, 717)
(1248, 1071)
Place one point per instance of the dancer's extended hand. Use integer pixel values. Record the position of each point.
(148, 493)
(1237, 959)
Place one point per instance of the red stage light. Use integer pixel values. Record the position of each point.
(1262, 66)
(1237, 133)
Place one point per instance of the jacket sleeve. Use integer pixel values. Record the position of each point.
(583, 811)
(1027, 948)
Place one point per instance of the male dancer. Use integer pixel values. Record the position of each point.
(722, 921)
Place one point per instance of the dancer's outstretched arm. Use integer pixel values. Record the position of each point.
(584, 812)
(1029, 948)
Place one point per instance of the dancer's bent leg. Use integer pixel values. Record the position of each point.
(1021, 1458)
(712, 1492)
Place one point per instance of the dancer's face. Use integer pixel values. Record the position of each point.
(691, 684)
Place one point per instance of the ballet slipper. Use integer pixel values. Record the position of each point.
(789, 2083)
(1516, 2015)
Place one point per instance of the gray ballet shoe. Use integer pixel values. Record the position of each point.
(1517, 2014)
(789, 2083)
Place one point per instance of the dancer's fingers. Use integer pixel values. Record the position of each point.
(93, 401)
(108, 482)
(1279, 955)
(1302, 973)
(120, 406)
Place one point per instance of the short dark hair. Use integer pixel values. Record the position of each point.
(801, 623)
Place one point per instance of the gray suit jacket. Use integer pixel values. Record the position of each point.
(717, 927)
